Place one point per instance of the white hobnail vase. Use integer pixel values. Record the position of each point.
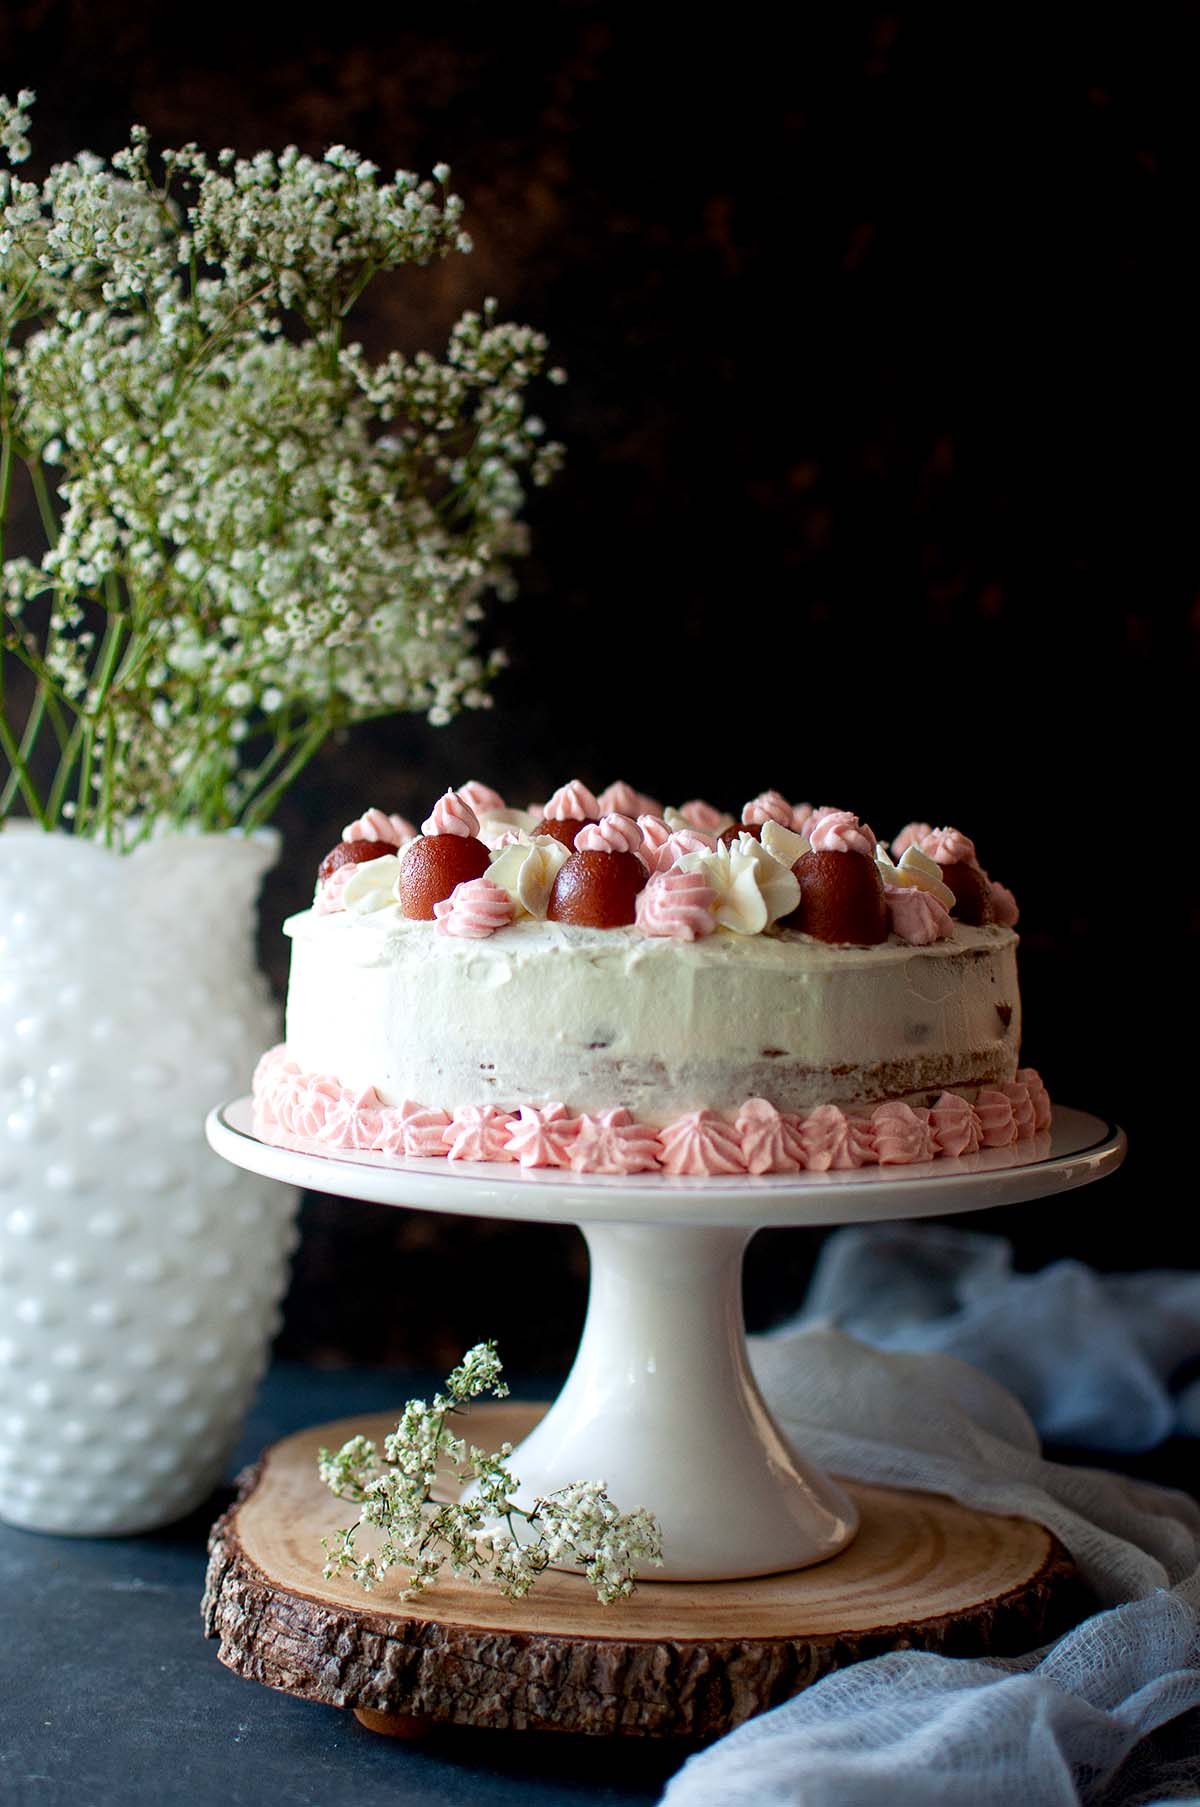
(140, 1275)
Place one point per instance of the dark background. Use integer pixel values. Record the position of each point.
(881, 424)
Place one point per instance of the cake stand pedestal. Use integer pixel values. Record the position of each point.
(660, 1404)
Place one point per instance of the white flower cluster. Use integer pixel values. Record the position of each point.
(477, 1537)
(256, 534)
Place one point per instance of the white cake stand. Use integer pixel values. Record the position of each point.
(661, 1403)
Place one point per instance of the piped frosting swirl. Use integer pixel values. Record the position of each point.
(571, 802)
(677, 905)
(611, 834)
(451, 815)
(373, 825)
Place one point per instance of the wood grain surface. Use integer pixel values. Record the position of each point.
(689, 1659)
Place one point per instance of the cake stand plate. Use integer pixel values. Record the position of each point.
(682, 1660)
(661, 1403)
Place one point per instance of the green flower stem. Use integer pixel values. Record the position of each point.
(109, 650)
(33, 727)
(20, 770)
(285, 740)
(260, 811)
(62, 778)
(6, 461)
(41, 490)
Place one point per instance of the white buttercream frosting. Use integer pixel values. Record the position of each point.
(753, 890)
(372, 885)
(783, 844)
(546, 1010)
(527, 869)
(498, 822)
(915, 871)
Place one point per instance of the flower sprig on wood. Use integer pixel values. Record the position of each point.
(484, 1537)
(253, 533)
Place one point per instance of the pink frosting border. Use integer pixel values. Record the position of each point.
(315, 1113)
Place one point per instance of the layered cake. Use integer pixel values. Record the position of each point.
(608, 985)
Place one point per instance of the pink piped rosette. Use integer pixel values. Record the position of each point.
(452, 814)
(771, 1141)
(705, 817)
(917, 917)
(620, 799)
(478, 1132)
(655, 835)
(373, 825)
(997, 1121)
(611, 834)
(702, 1143)
(422, 1131)
(838, 831)
(902, 1135)
(572, 802)
(331, 891)
(1004, 906)
(1043, 1114)
(474, 909)
(955, 1125)
(818, 815)
(542, 1138)
(613, 1142)
(911, 835)
(682, 841)
(768, 806)
(834, 1141)
(1024, 1113)
(481, 798)
(355, 1121)
(676, 906)
(295, 1109)
(949, 847)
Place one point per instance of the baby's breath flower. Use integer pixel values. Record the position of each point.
(474, 1537)
(255, 532)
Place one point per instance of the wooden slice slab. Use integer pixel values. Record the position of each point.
(686, 1659)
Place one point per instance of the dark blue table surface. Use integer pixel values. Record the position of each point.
(109, 1692)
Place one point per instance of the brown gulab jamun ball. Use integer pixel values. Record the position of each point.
(841, 899)
(431, 868)
(352, 853)
(972, 894)
(564, 830)
(729, 835)
(597, 890)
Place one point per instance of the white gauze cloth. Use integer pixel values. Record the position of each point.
(1088, 1720)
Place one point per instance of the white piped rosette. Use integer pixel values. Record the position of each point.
(372, 886)
(916, 870)
(752, 888)
(527, 869)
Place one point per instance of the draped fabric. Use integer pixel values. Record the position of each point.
(922, 1360)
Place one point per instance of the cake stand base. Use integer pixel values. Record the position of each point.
(660, 1403)
(683, 1659)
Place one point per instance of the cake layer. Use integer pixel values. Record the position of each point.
(602, 1017)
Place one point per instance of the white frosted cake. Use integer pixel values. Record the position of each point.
(609, 986)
